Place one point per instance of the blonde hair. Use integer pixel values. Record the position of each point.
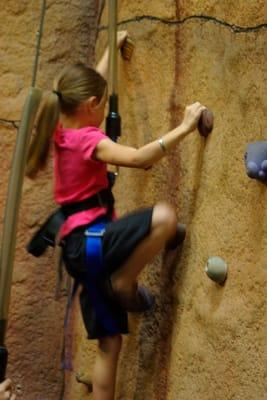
(71, 87)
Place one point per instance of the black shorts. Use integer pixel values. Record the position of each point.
(120, 239)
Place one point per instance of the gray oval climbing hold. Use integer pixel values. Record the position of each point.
(216, 269)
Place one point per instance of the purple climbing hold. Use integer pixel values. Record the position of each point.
(262, 175)
(264, 165)
(252, 169)
(256, 160)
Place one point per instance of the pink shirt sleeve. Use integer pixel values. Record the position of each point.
(89, 140)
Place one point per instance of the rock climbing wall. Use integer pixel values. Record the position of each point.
(204, 341)
(36, 323)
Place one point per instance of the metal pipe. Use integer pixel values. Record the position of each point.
(112, 39)
(8, 244)
(11, 215)
(113, 121)
(13, 201)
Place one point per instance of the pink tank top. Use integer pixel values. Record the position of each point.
(77, 175)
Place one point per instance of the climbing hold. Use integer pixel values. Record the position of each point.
(127, 49)
(216, 269)
(205, 123)
(264, 165)
(256, 161)
(252, 170)
(262, 175)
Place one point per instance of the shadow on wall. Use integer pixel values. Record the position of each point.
(155, 337)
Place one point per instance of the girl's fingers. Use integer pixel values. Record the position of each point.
(6, 384)
(121, 37)
(122, 34)
(5, 390)
(7, 395)
(197, 109)
(192, 115)
(201, 109)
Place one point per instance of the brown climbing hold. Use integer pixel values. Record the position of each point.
(205, 123)
(127, 49)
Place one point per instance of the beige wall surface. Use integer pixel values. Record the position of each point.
(36, 322)
(203, 341)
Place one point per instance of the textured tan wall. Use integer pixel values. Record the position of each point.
(203, 341)
(35, 331)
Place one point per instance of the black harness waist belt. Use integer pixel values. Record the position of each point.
(46, 235)
(104, 198)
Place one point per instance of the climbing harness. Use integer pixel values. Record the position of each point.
(46, 235)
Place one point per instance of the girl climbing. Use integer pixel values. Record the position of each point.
(72, 114)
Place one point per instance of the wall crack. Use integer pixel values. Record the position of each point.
(205, 18)
(9, 123)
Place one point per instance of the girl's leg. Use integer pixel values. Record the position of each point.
(104, 375)
(163, 229)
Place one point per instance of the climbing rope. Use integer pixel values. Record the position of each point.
(13, 201)
(39, 36)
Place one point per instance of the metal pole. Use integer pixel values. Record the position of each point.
(113, 121)
(12, 207)
(13, 203)
(13, 199)
(112, 40)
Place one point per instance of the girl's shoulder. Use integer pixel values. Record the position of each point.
(83, 135)
(91, 135)
(91, 131)
(89, 138)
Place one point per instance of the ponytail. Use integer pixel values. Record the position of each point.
(47, 120)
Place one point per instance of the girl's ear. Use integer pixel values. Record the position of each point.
(91, 103)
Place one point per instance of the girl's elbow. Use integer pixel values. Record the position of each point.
(139, 162)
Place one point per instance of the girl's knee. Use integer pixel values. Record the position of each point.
(164, 215)
(110, 344)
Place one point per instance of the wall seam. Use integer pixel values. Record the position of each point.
(206, 18)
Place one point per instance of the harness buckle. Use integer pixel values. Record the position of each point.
(89, 233)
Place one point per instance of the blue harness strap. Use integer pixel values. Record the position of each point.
(95, 268)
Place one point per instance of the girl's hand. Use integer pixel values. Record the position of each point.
(192, 115)
(6, 391)
(102, 66)
(121, 38)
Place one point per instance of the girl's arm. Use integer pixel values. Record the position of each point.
(144, 157)
(102, 66)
